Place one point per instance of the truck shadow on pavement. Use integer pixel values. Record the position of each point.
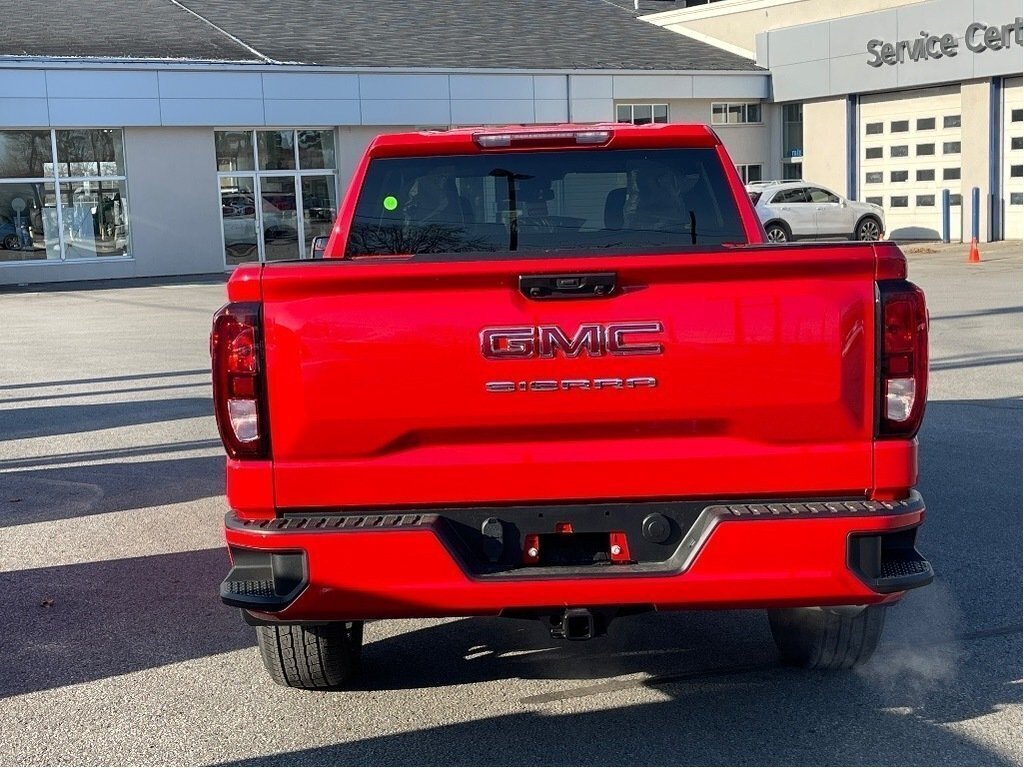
(89, 621)
(65, 419)
(63, 493)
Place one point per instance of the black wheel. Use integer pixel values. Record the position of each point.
(315, 657)
(777, 233)
(11, 243)
(869, 229)
(827, 638)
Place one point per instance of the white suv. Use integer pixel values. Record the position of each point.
(792, 210)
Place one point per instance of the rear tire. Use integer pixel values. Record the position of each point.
(827, 638)
(313, 657)
(777, 233)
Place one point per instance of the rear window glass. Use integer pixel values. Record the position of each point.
(576, 200)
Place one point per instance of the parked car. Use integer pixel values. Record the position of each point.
(8, 235)
(794, 210)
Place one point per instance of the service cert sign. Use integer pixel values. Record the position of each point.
(977, 38)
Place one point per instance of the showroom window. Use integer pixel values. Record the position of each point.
(73, 209)
(641, 114)
(277, 190)
(735, 114)
(750, 172)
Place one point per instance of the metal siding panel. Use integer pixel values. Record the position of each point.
(850, 35)
(809, 42)
(995, 63)
(24, 112)
(491, 87)
(798, 82)
(211, 85)
(309, 112)
(551, 110)
(22, 83)
(550, 87)
(104, 112)
(302, 85)
(761, 42)
(731, 86)
(413, 87)
(80, 84)
(657, 87)
(938, 17)
(996, 11)
(472, 111)
(850, 74)
(406, 112)
(211, 111)
(931, 71)
(591, 87)
(592, 110)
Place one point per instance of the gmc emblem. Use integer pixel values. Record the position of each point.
(547, 341)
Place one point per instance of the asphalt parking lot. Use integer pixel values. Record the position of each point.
(117, 650)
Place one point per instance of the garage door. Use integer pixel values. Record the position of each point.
(910, 146)
(1013, 159)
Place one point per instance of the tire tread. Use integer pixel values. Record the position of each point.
(816, 638)
(312, 657)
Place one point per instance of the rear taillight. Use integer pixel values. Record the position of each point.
(903, 343)
(238, 386)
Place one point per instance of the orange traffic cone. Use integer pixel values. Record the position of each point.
(974, 257)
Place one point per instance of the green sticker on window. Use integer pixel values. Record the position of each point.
(390, 203)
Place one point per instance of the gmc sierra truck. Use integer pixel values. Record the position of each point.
(557, 373)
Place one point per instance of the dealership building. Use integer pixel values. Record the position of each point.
(171, 137)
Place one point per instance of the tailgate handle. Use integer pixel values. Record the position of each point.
(579, 286)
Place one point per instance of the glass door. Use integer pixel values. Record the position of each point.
(278, 220)
(319, 207)
(238, 217)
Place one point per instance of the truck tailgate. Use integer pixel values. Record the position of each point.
(764, 384)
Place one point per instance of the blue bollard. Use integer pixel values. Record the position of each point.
(945, 215)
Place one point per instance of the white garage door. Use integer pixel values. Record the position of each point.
(910, 146)
(1013, 159)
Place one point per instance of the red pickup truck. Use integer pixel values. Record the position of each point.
(556, 373)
